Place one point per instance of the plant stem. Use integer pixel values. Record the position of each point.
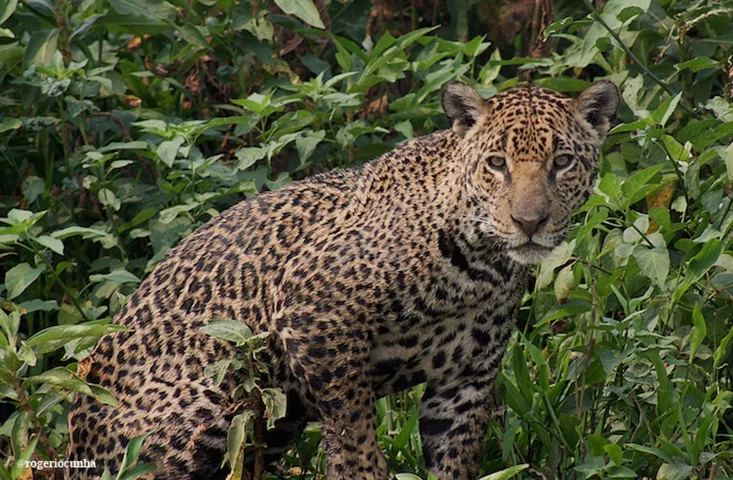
(633, 57)
(56, 278)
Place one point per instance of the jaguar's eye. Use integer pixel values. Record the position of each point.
(561, 161)
(497, 162)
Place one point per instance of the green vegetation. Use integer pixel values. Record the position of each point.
(124, 125)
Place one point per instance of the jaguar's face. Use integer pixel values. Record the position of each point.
(530, 159)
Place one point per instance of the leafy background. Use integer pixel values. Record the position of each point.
(126, 124)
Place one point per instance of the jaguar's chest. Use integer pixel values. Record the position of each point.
(430, 345)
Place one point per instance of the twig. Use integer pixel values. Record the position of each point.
(591, 265)
(641, 413)
(636, 60)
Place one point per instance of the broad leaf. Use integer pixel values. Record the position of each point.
(229, 330)
(507, 473)
(303, 9)
(18, 278)
(699, 330)
(654, 263)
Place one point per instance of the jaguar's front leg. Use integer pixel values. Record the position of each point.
(333, 372)
(453, 420)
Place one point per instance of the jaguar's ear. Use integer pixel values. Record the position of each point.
(463, 105)
(598, 105)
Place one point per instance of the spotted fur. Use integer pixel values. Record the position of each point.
(370, 280)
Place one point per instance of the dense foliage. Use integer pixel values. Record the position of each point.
(126, 124)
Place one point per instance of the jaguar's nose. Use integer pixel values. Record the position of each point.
(532, 222)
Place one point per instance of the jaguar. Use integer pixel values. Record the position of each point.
(409, 269)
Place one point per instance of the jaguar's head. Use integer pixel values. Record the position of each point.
(530, 159)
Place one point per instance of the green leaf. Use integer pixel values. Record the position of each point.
(151, 9)
(170, 214)
(10, 124)
(32, 187)
(237, 436)
(136, 471)
(514, 397)
(564, 284)
(20, 427)
(557, 26)
(103, 395)
(117, 146)
(248, 156)
(276, 404)
(145, 214)
(405, 128)
(55, 337)
(638, 185)
(666, 109)
(306, 145)
(610, 184)
(568, 425)
(726, 153)
(676, 150)
(134, 24)
(105, 240)
(37, 304)
(385, 41)
(260, 104)
(650, 451)
(51, 243)
(130, 468)
(230, 330)
(675, 471)
(631, 127)
(168, 149)
(26, 354)
(559, 256)
(621, 472)
(699, 265)
(303, 9)
(108, 198)
(190, 34)
(402, 441)
(507, 473)
(70, 231)
(255, 23)
(41, 48)
(572, 308)
(629, 13)
(596, 443)
(721, 350)
(697, 63)
(614, 453)
(564, 84)
(61, 377)
(698, 333)
(653, 263)
(117, 276)
(665, 395)
(9, 324)
(120, 164)
(45, 8)
(521, 373)
(23, 218)
(18, 278)
(7, 7)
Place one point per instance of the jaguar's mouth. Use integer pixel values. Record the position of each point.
(529, 253)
